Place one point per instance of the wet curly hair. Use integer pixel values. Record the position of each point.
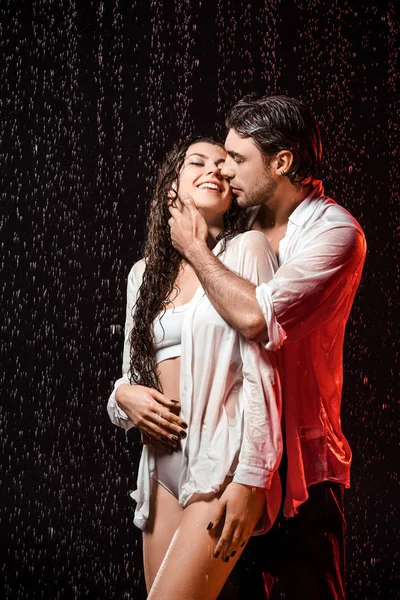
(163, 262)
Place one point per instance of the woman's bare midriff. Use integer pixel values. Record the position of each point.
(169, 370)
(168, 467)
(169, 377)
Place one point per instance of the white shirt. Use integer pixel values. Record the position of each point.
(306, 306)
(229, 392)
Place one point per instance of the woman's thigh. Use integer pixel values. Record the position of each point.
(165, 516)
(189, 569)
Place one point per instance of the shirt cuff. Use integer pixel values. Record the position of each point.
(276, 333)
(115, 412)
(253, 476)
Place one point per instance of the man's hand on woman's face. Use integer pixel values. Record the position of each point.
(188, 227)
(153, 414)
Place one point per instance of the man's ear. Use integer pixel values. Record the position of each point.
(282, 162)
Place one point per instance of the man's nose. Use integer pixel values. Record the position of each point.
(227, 170)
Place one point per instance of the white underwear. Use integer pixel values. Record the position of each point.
(168, 469)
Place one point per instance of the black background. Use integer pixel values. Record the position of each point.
(92, 96)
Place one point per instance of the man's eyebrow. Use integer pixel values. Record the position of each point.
(235, 155)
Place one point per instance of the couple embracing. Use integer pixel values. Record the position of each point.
(232, 364)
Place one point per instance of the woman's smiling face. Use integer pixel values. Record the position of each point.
(201, 178)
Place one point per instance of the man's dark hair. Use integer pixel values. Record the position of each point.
(278, 123)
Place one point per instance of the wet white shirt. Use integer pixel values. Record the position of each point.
(306, 306)
(229, 391)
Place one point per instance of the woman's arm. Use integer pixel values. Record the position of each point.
(136, 405)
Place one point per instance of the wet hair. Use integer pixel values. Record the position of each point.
(163, 262)
(278, 123)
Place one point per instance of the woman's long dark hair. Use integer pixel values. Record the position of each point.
(162, 264)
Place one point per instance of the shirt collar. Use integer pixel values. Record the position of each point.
(302, 212)
(305, 209)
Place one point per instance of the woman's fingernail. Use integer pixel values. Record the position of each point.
(183, 433)
(185, 425)
(175, 438)
(233, 553)
(209, 526)
(216, 555)
(241, 545)
(226, 559)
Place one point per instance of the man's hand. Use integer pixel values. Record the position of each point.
(242, 507)
(153, 414)
(188, 227)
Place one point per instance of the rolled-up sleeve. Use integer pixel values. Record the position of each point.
(276, 333)
(115, 412)
(307, 288)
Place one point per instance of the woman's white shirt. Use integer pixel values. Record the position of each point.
(230, 392)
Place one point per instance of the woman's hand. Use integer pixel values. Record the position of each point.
(242, 507)
(153, 414)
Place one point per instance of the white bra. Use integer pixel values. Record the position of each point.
(168, 329)
(168, 332)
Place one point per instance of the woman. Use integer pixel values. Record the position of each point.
(206, 400)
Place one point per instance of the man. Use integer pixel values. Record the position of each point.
(274, 151)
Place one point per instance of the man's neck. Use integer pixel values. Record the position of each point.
(275, 214)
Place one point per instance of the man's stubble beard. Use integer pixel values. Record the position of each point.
(262, 195)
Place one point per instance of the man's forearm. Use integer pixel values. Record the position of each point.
(233, 297)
